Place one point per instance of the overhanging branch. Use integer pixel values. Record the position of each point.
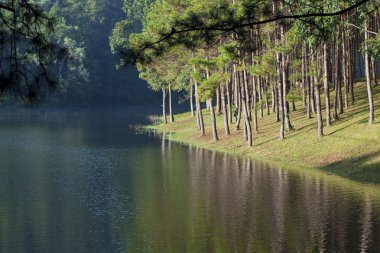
(174, 32)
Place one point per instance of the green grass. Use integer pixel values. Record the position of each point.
(350, 147)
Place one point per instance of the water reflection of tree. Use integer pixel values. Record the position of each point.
(213, 202)
(366, 220)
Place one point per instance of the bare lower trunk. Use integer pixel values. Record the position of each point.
(368, 78)
(192, 100)
(218, 102)
(267, 103)
(344, 67)
(254, 102)
(318, 107)
(280, 98)
(277, 103)
(213, 120)
(247, 123)
(201, 125)
(273, 101)
(336, 81)
(225, 113)
(373, 70)
(246, 92)
(164, 106)
(170, 105)
(259, 90)
(229, 103)
(326, 84)
(238, 108)
(285, 90)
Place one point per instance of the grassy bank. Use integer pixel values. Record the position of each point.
(350, 148)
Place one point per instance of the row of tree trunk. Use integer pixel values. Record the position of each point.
(333, 65)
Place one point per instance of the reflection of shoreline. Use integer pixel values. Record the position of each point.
(241, 205)
(359, 187)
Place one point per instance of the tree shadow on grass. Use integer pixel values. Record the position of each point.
(365, 169)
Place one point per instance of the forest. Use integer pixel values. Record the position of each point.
(241, 59)
(250, 58)
(189, 126)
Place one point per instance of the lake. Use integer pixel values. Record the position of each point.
(87, 181)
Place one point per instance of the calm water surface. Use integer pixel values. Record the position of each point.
(86, 182)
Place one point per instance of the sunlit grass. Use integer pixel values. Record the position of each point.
(350, 147)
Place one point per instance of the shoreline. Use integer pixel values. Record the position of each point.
(350, 148)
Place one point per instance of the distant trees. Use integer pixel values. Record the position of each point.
(250, 57)
(26, 50)
(42, 55)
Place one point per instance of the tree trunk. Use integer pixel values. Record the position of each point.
(259, 90)
(218, 102)
(373, 70)
(201, 125)
(246, 92)
(318, 107)
(368, 77)
(288, 125)
(336, 81)
(224, 108)
(238, 108)
(213, 120)
(277, 103)
(280, 97)
(273, 100)
(192, 99)
(164, 106)
(267, 101)
(229, 101)
(326, 84)
(247, 123)
(254, 102)
(307, 85)
(351, 70)
(170, 104)
(344, 66)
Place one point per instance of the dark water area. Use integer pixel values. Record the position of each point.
(87, 181)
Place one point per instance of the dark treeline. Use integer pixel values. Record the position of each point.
(57, 51)
(246, 59)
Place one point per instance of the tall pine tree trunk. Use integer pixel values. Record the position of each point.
(318, 102)
(280, 97)
(336, 81)
(170, 104)
(326, 84)
(254, 102)
(285, 91)
(318, 107)
(368, 77)
(229, 101)
(307, 85)
(247, 123)
(224, 108)
(164, 106)
(201, 125)
(213, 120)
(192, 99)
(344, 66)
(218, 101)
